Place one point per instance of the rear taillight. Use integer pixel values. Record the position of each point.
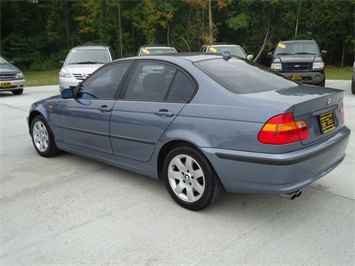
(283, 129)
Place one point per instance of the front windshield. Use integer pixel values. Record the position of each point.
(243, 76)
(3, 61)
(292, 48)
(233, 50)
(88, 56)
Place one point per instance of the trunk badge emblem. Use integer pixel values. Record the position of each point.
(329, 101)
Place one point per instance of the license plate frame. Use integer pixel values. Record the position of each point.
(297, 76)
(327, 122)
(5, 85)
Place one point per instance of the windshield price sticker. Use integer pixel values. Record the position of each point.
(327, 122)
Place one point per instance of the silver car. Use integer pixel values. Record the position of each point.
(11, 78)
(155, 50)
(201, 123)
(81, 62)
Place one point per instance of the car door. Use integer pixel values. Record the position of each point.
(154, 96)
(85, 119)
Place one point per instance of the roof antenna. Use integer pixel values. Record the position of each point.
(226, 55)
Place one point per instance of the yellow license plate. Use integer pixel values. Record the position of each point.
(327, 122)
(296, 76)
(5, 85)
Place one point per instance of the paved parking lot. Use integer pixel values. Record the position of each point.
(72, 210)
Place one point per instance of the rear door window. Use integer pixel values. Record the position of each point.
(158, 81)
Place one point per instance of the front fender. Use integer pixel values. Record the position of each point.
(50, 112)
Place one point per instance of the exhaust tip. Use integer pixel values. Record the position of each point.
(299, 193)
(293, 195)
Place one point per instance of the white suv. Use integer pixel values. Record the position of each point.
(81, 61)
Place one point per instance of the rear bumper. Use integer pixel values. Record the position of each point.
(247, 172)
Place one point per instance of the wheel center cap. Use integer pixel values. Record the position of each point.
(187, 177)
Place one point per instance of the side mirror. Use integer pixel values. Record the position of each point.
(324, 52)
(61, 62)
(269, 54)
(250, 57)
(67, 93)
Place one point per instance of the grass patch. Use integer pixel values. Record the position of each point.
(344, 73)
(41, 78)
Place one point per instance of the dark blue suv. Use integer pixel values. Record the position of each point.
(300, 60)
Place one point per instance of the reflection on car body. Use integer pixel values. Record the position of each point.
(197, 126)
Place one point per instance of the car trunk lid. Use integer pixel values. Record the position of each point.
(323, 114)
(321, 109)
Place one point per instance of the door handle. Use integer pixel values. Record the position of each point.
(164, 112)
(104, 109)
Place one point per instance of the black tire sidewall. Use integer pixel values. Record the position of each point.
(210, 178)
(51, 145)
(17, 92)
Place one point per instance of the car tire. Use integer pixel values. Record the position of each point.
(190, 178)
(322, 83)
(42, 137)
(17, 92)
(352, 86)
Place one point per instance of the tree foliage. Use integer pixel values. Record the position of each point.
(39, 33)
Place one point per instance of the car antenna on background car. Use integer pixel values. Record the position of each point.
(226, 55)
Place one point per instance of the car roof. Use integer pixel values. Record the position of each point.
(157, 46)
(297, 41)
(192, 57)
(91, 47)
(221, 44)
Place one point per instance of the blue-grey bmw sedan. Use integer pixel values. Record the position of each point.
(201, 123)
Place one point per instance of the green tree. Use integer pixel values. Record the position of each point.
(39, 32)
(275, 20)
(152, 17)
(331, 24)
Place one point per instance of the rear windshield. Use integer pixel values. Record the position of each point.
(243, 76)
